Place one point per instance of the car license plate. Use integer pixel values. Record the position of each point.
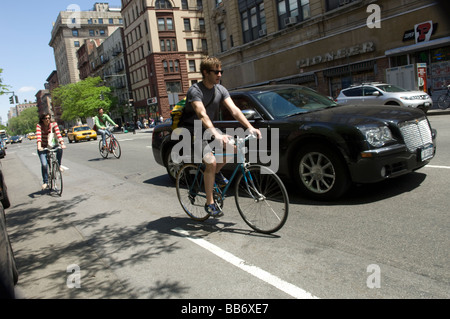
(426, 152)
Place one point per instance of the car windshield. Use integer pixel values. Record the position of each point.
(285, 102)
(391, 88)
(81, 128)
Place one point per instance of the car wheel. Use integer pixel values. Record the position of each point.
(171, 167)
(321, 173)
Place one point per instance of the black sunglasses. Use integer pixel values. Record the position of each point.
(216, 71)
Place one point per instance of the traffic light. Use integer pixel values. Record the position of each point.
(11, 99)
(17, 99)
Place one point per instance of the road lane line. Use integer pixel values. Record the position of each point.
(282, 285)
(437, 166)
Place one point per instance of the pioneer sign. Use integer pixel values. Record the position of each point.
(335, 55)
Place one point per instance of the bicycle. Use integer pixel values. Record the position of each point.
(260, 195)
(444, 99)
(111, 144)
(55, 181)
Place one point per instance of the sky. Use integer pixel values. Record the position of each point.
(25, 56)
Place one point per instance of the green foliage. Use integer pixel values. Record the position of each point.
(82, 99)
(3, 88)
(24, 123)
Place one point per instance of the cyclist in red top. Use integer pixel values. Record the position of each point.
(43, 129)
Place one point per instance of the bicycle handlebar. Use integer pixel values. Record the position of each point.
(52, 149)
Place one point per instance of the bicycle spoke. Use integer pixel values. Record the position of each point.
(262, 199)
(191, 192)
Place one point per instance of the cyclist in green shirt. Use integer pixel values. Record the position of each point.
(100, 121)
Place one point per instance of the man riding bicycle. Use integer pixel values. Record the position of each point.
(203, 102)
(100, 121)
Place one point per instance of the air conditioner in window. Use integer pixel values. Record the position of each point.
(262, 32)
(290, 21)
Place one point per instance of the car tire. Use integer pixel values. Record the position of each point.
(171, 167)
(321, 173)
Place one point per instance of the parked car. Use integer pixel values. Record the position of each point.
(31, 136)
(2, 149)
(324, 147)
(9, 274)
(80, 133)
(16, 139)
(384, 94)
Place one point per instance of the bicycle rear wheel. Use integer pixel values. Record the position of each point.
(191, 191)
(262, 199)
(103, 151)
(444, 102)
(56, 183)
(115, 147)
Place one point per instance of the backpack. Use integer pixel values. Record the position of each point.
(177, 111)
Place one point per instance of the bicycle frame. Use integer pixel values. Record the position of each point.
(240, 167)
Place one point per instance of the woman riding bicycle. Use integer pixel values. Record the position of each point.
(43, 129)
(100, 121)
(204, 99)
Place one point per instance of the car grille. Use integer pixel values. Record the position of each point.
(416, 134)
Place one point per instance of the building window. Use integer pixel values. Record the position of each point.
(100, 21)
(165, 24)
(111, 21)
(291, 12)
(89, 21)
(91, 33)
(102, 32)
(184, 5)
(222, 37)
(333, 4)
(168, 45)
(192, 67)
(162, 4)
(76, 43)
(189, 45)
(173, 87)
(75, 32)
(187, 24)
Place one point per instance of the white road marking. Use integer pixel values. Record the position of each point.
(282, 285)
(438, 166)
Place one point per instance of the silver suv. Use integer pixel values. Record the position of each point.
(384, 94)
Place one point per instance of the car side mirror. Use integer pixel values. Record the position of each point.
(376, 93)
(251, 115)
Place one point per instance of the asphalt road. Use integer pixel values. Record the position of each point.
(119, 232)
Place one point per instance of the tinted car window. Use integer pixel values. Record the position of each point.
(368, 91)
(353, 92)
(241, 102)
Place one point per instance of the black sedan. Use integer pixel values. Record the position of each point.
(321, 146)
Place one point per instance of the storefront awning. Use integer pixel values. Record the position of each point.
(419, 46)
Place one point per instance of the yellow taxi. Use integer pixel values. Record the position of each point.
(31, 136)
(81, 133)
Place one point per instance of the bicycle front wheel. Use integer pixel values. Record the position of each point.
(103, 151)
(262, 199)
(115, 147)
(191, 191)
(57, 182)
(444, 102)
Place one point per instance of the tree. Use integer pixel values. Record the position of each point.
(3, 87)
(82, 99)
(24, 123)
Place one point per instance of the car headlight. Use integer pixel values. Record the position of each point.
(375, 135)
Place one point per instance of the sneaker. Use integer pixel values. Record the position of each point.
(221, 181)
(44, 186)
(213, 210)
